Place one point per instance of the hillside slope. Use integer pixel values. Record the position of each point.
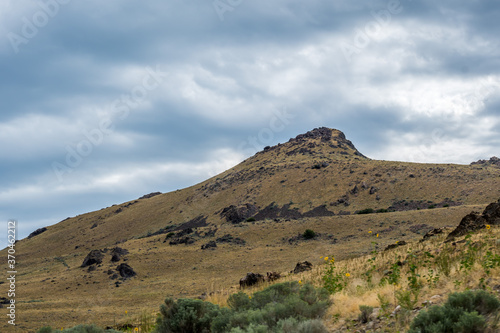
(253, 213)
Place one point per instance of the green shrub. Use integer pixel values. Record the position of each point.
(292, 325)
(260, 313)
(251, 219)
(479, 300)
(309, 234)
(366, 211)
(186, 315)
(46, 329)
(463, 312)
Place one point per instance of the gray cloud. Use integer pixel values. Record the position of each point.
(422, 84)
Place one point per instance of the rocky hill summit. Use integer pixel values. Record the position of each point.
(494, 161)
(323, 144)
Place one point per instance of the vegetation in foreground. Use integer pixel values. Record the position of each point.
(398, 290)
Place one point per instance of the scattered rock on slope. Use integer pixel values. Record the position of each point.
(237, 214)
(125, 271)
(117, 253)
(473, 221)
(251, 279)
(302, 267)
(94, 257)
(37, 232)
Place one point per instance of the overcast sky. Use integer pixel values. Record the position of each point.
(104, 101)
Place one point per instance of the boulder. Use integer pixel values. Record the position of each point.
(432, 233)
(117, 253)
(393, 246)
(272, 276)
(126, 271)
(209, 245)
(94, 257)
(302, 267)
(251, 279)
(237, 214)
(474, 221)
(37, 232)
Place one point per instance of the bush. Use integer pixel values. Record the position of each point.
(309, 234)
(366, 211)
(186, 315)
(251, 219)
(463, 312)
(260, 313)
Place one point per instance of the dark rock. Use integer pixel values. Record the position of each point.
(420, 228)
(197, 222)
(183, 240)
(126, 271)
(432, 233)
(272, 276)
(355, 190)
(251, 279)
(209, 245)
(150, 195)
(117, 253)
(94, 257)
(393, 246)
(227, 238)
(91, 268)
(373, 190)
(302, 267)
(492, 213)
(318, 211)
(494, 161)
(237, 214)
(37, 232)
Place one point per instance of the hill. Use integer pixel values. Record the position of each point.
(206, 237)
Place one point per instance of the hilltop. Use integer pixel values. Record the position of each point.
(249, 218)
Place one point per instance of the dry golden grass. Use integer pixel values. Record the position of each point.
(51, 293)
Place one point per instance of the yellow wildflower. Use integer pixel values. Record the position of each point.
(370, 232)
(347, 274)
(136, 329)
(488, 226)
(300, 281)
(326, 258)
(377, 235)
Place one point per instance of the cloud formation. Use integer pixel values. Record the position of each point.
(103, 102)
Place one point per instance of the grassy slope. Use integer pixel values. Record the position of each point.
(53, 293)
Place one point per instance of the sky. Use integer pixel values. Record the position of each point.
(104, 101)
